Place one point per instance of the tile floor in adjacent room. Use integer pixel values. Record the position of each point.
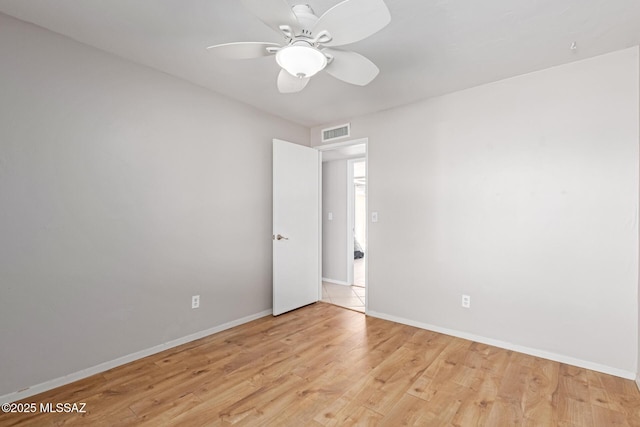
(351, 297)
(358, 272)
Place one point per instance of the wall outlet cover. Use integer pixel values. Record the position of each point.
(466, 301)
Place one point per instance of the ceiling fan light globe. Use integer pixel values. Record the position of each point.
(301, 61)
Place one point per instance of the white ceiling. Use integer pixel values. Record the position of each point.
(430, 48)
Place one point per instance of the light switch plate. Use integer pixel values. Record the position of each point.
(374, 216)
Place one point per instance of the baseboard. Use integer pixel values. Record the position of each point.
(67, 379)
(335, 282)
(638, 381)
(515, 347)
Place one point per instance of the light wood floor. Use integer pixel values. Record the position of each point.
(324, 365)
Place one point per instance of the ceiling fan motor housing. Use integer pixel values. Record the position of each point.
(301, 57)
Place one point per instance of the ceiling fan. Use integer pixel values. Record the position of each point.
(309, 41)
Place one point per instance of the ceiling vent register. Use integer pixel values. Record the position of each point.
(337, 132)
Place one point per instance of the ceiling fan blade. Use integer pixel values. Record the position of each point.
(242, 50)
(351, 67)
(289, 84)
(353, 20)
(274, 13)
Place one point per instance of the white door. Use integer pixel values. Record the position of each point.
(296, 226)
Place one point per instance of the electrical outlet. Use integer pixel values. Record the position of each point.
(466, 301)
(195, 301)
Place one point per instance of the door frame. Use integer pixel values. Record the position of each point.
(333, 146)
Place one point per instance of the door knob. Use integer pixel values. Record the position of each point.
(280, 237)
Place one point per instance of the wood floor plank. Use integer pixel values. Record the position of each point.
(603, 416)
(514, 381)
(442, 408)
(164, 414)
(541, 384)
(438, 376)
(573, 383)
(476, 407)
(505, 412)
(408, 410)
(214, 401)
(327, 366)
(330, 415)
(572, 412)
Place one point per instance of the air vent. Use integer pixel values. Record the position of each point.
(336, 132)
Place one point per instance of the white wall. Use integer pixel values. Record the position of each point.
(334, 233)
(123, 191)
(523, 194)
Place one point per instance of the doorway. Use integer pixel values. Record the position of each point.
(359, 201)
(344, 218)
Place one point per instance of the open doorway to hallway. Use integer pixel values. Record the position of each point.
(344, 234)
(359, 221)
